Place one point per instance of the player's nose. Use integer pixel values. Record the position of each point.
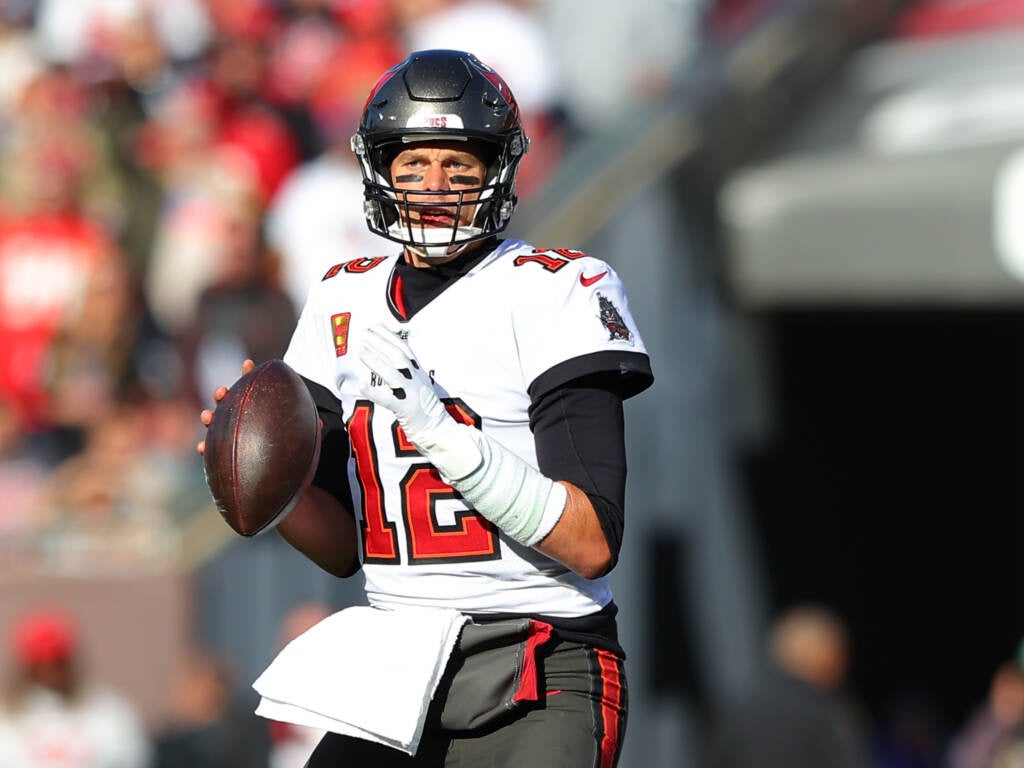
(436, 179)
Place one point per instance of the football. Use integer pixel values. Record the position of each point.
(262, 447)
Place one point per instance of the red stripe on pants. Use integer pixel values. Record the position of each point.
(611, 705)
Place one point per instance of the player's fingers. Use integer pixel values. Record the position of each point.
(395, 340)
(381, 366)
(382, 396)
(201, 447)
(400, 346)
(248, 366)
(383, 350)
(390, 357)
(378, 340)
(218, 394)
(390, 345)
(206, 416)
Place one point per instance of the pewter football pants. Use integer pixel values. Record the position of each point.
(580, 724)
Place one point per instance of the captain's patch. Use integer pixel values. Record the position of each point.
(339, 329)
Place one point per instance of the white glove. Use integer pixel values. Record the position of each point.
(409, 394)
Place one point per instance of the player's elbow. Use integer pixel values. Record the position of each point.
(590, 572)
(591, 560)
(578, 541)
(588, 557)
(340, 568)
(594, 564)
(324, 531)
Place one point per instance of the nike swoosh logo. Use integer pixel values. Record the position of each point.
(586, 282)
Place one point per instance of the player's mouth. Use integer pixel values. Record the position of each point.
(435, 217)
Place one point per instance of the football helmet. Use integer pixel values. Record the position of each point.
(439, 95)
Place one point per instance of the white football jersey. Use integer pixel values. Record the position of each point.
(485, 339)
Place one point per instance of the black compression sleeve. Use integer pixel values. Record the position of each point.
(579, 432)
(332, 471)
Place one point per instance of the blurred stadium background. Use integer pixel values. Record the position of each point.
(817, 206)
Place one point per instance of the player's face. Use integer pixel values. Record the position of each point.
(442, 171)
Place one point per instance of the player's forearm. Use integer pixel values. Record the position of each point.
(577, 540)
(324, 531)
(557, 518)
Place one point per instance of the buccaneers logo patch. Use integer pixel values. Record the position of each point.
(612, 320)
(339, 330)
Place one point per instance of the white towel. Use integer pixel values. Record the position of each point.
(364, 672)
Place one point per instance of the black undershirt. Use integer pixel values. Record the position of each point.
(411, 288)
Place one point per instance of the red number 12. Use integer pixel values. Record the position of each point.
(470, 537)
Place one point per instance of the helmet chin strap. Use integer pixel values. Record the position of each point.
(430, 252)
(430, 243)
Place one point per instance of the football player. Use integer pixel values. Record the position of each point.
(473, 455)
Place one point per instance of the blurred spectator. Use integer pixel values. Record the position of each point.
(996, 724)
(202, 182)
(166, 472)
(138, 74)
(50, 717)
(209, 727)
(243, 312)
(291, 745)
(82, 32)
(107, 507)
(795, 716)
(59, 268)
(214, 140)
(90, 357)
(308, 37)
(316, 220)
(508, 36)
(21, 484)
(18, 59)
(369, 20)
(254, 19)
(236, 69)
(178, 144)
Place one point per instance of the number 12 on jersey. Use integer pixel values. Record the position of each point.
(427, 539)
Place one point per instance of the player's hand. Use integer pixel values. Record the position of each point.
(206, 415)
(407, 390)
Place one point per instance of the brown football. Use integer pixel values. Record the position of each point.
(262, 447)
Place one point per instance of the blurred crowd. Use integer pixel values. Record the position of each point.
(55, 712)
(173, 176)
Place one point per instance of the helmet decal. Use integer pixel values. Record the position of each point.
(434, 121)
(503, 90)
(378, 85)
